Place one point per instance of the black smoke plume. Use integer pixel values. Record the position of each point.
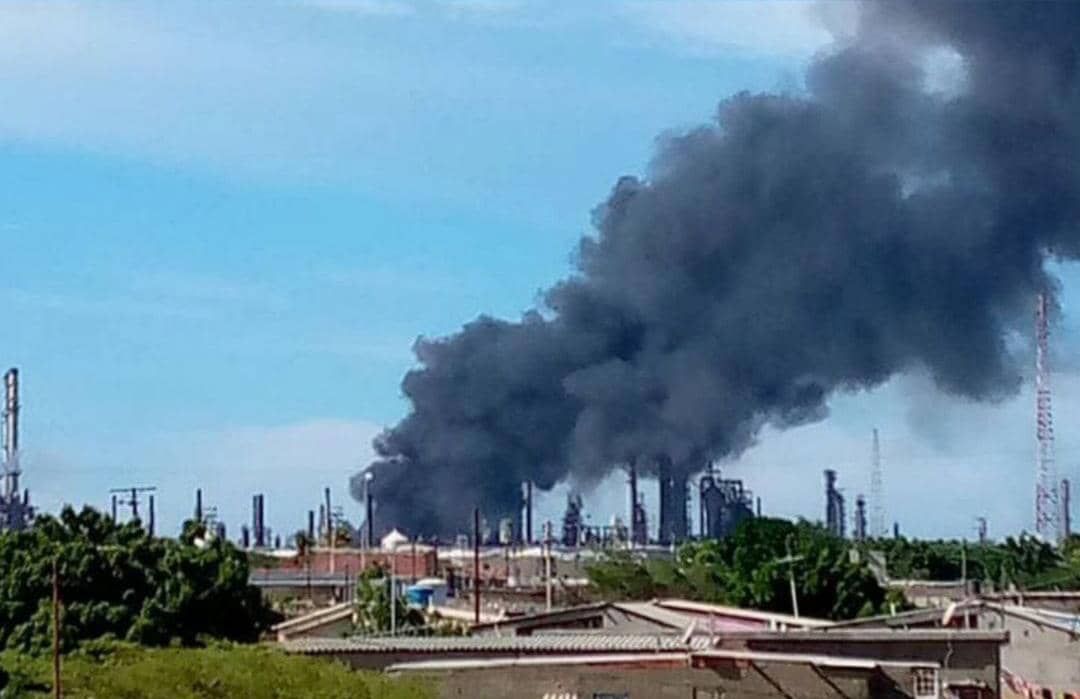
(893, 215)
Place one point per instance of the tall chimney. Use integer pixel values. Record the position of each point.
(198, 505)
(11, 435)
(150, 517)
(311, 527)
(329, 519)
(258, 523)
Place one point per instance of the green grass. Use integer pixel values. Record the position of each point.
(116, 671)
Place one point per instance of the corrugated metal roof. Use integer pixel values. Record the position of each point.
(559, 643)
(541, 661)
(704, 608)
(655, 613)
(325, 615)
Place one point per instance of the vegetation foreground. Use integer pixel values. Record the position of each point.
(127, 671)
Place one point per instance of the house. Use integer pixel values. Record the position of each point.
(1043, 649)
(782, 664)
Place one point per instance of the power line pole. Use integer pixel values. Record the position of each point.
(56, 628)
(132, 500)
(547, 565)
(790, 561)
(476, 565)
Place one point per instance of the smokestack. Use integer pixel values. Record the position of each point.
(860, 517)
(114, 508)
(329, 519)
(834, 506)
(198, 505)
(633, 504)
(311, 527)
(11, 435)
(150, 517)
(255, 518)
(258, 521)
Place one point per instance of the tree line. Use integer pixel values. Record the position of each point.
(118, 582)
(834, 578)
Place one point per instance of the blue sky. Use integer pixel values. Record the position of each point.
(223, 224)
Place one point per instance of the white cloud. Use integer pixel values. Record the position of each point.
(759, 27)
(371, 8)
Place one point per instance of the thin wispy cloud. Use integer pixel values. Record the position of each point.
(366, 8)
(759, 27)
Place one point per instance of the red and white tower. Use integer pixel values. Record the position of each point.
(1046, 515)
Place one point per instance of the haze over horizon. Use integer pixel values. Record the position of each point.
(214, 275)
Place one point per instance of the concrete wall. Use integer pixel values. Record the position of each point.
(585, 682)
(960, 660)
(1040, 654)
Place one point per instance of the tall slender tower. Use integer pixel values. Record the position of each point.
(877, 492)
(1046, 514)
(11, 435)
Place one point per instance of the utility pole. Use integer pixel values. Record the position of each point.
(790, 561)
(393, 592)
(547, 564)
(476, 565)
(132, 500)
(56, 628)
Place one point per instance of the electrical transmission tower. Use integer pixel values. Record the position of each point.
(877, 493)
(1045, 478)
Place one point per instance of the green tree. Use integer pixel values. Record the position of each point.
(373, 604)
(119, 582)
(746, 569)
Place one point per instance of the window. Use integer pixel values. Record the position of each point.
(925, 683)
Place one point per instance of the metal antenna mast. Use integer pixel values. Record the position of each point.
(877, 492)
(1045, 478)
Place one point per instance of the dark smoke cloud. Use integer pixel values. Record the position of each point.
(798, 246)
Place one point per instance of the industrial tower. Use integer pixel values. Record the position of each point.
(15, 510)
(877, 493)
(834, 506)
(1046, 514)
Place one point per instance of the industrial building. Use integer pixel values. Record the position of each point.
(722, 504)
(834, 506)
